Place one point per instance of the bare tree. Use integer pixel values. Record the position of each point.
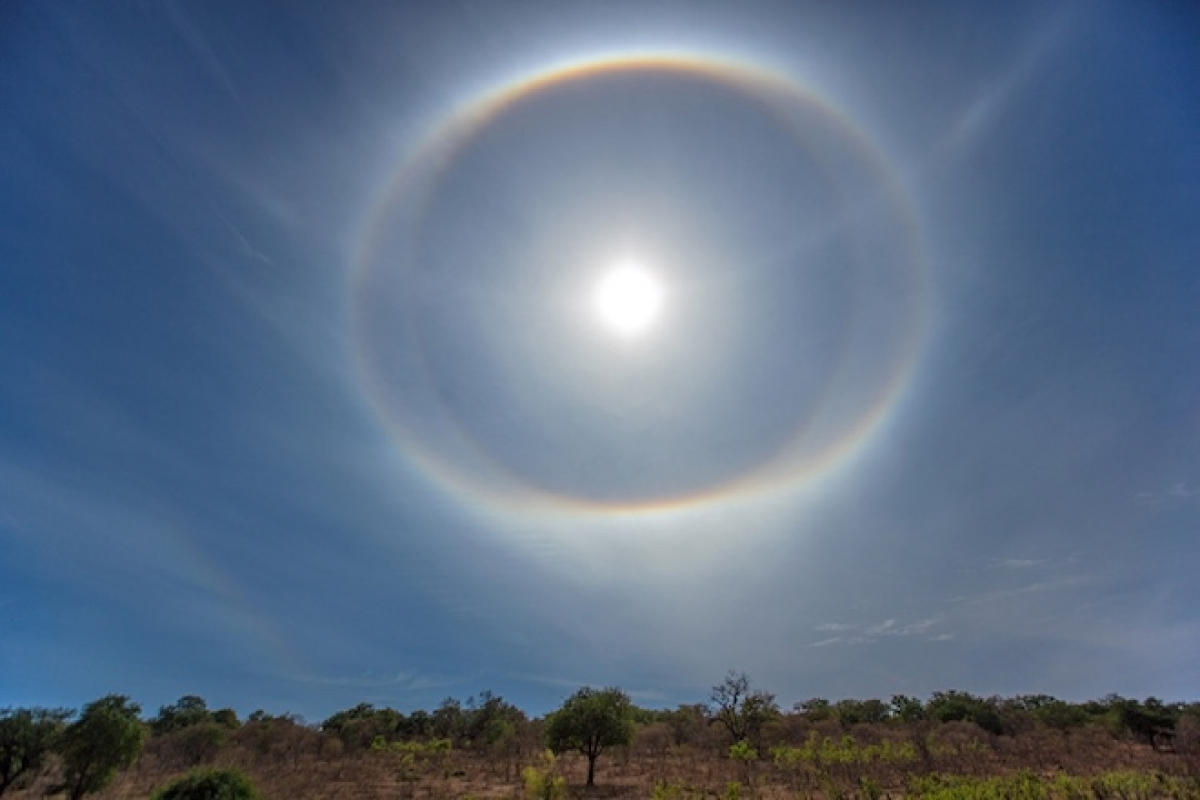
(741, 710)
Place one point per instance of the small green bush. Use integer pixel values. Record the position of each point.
(544, 783)
(210, 784)
(742, 750)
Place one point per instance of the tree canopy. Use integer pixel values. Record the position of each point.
(27, 736)
(589, 721)
(108, 736)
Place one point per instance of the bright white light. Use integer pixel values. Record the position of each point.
(627, 300)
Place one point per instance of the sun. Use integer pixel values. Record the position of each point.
(627, 300)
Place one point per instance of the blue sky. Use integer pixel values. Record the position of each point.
(306, 401)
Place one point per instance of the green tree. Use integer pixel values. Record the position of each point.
(1150, 722)
(907, 709)
(210, 784)
(815, 709)
(954, 705)
(449, 721)
(491, 721)
(417, 725)
(743, 712)
(108, 736)
(589, 721)
(226, 718)
(358, 727)
(855, 712)
(26, 738)
(1052, 712)
(190, 710)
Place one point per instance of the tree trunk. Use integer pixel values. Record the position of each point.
(591, 769)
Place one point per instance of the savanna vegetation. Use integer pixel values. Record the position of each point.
(739, 745)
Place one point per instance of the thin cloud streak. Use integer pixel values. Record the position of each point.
(869, 633)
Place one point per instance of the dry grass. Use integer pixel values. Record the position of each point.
(287, 761)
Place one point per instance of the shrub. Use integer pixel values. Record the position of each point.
(743, 751)
(544, 783)
(210, 784)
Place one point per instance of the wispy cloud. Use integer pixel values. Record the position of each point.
(1030, 563)
(996, 96)
(405, 681)
(1176, 492)
(1019, 563)
(1036, 587)
(557, 682)
(246, 248)
(200, 46)
(826, 642)
(866, 633)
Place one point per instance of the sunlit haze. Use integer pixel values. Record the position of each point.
(627, 299)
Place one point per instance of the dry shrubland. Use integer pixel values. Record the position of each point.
(956, 745)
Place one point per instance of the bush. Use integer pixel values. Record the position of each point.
(544, 783)
(210, 784)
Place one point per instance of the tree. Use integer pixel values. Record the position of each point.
(358, 727)
(816, 709)
(491, 721)
(589, 721)
(687, 722)
(108, 736)
(190, 710)
(907, 709)
(1150, 722)
(743, 712)
(955, 705)
(226, 718)
(210, 784)
(26, 738)
(189, 733)
(855, 712)
(450, 721)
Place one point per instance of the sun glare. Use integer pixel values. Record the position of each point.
(627, 300)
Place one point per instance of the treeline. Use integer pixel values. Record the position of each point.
(485, 738)
(483, 721)
(748, 714)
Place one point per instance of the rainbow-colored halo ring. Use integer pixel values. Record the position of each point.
(890, 324)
